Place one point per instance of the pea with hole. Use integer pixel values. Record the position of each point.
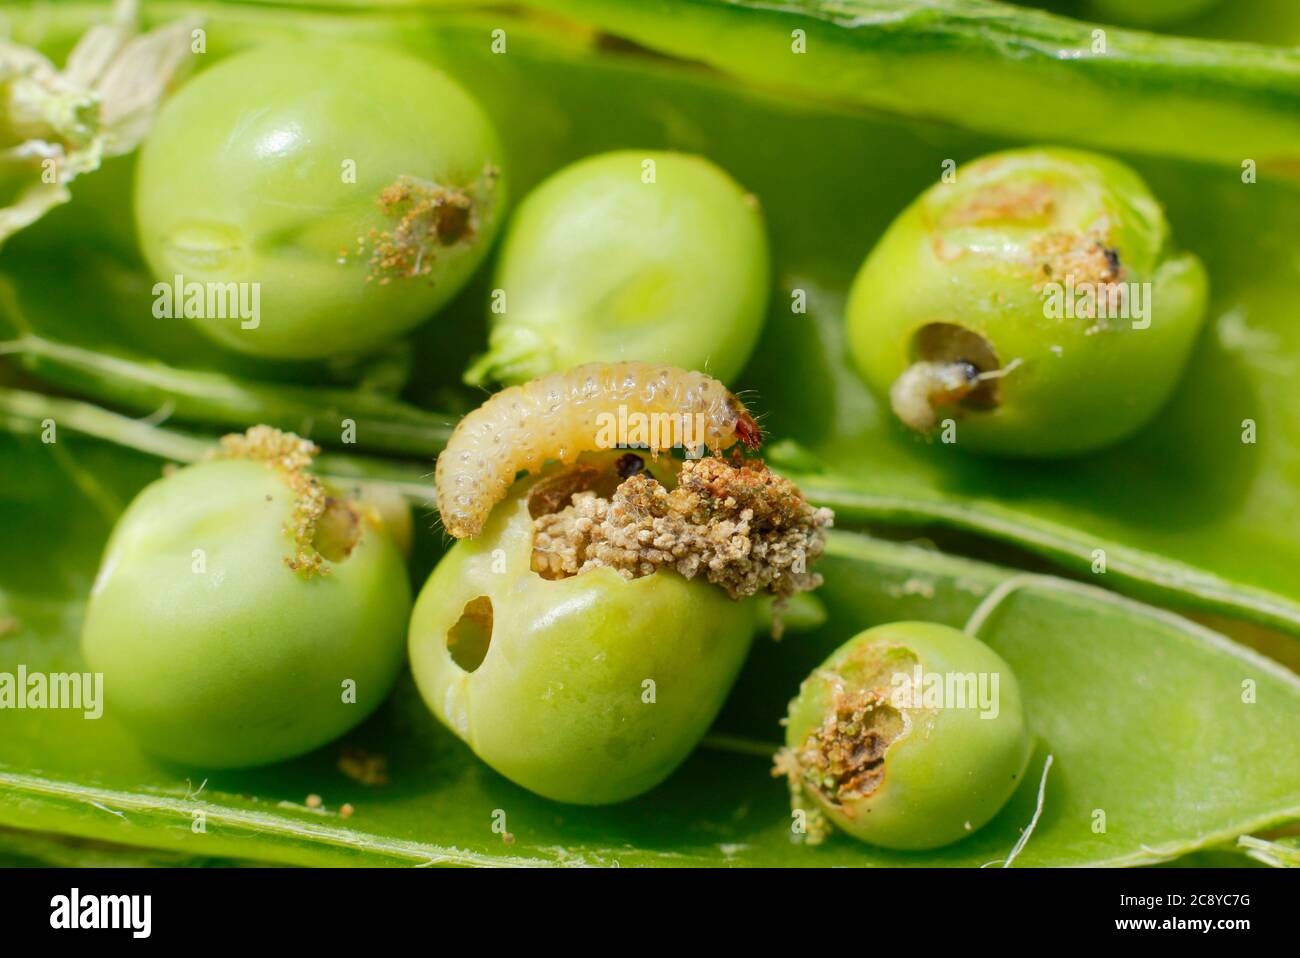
(246, 611)
(910, 735)
(1037, 301)
(353, 190)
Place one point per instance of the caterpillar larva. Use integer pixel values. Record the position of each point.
(562, 415)
(925, 386)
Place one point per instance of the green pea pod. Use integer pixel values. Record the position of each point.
(341, 417)
(995, 68)
(1189, 512)
(1174, 694)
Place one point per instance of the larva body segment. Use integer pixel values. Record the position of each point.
(562, 415)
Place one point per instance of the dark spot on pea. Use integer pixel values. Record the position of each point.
(629, 465)
(1112, 261)
(452, 222)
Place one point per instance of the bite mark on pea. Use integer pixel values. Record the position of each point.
(471, 636)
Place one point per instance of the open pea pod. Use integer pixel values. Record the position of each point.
(995, 67)
(1187, 513)
(1165, 700)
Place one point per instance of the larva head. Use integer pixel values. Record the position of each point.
(747, 428)
(590, 408)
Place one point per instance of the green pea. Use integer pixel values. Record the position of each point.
(589, 689)
(633, 255)
(909, 736)
(346, 192)
(215, 651)
(1035, 302)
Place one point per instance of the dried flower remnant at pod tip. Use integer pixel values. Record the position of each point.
(560, 416)
(100, 105)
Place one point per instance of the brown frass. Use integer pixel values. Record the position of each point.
(740, 526)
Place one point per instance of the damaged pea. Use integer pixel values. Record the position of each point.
(344, 193)
(583, 633)
(245, 610)
(911, 735)
(1038, 302)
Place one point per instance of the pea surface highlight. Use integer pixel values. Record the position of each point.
(909, 736)
(633, 255)
(346, 193)
(1035, 301)
(243, 612)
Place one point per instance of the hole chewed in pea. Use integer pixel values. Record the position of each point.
(338, 530)
(953, 368)
(468, 640)
(630, 465)
(846, 756)
(422, 218)
(552, 493)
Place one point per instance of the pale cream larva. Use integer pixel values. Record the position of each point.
(560, 416)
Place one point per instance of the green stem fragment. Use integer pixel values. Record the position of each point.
(1281, 853)
(28, 413)
(1136, 572)
(366, 420)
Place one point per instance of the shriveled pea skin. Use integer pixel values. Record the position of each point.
(217, 653)
(590, 689)
(901, 763)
